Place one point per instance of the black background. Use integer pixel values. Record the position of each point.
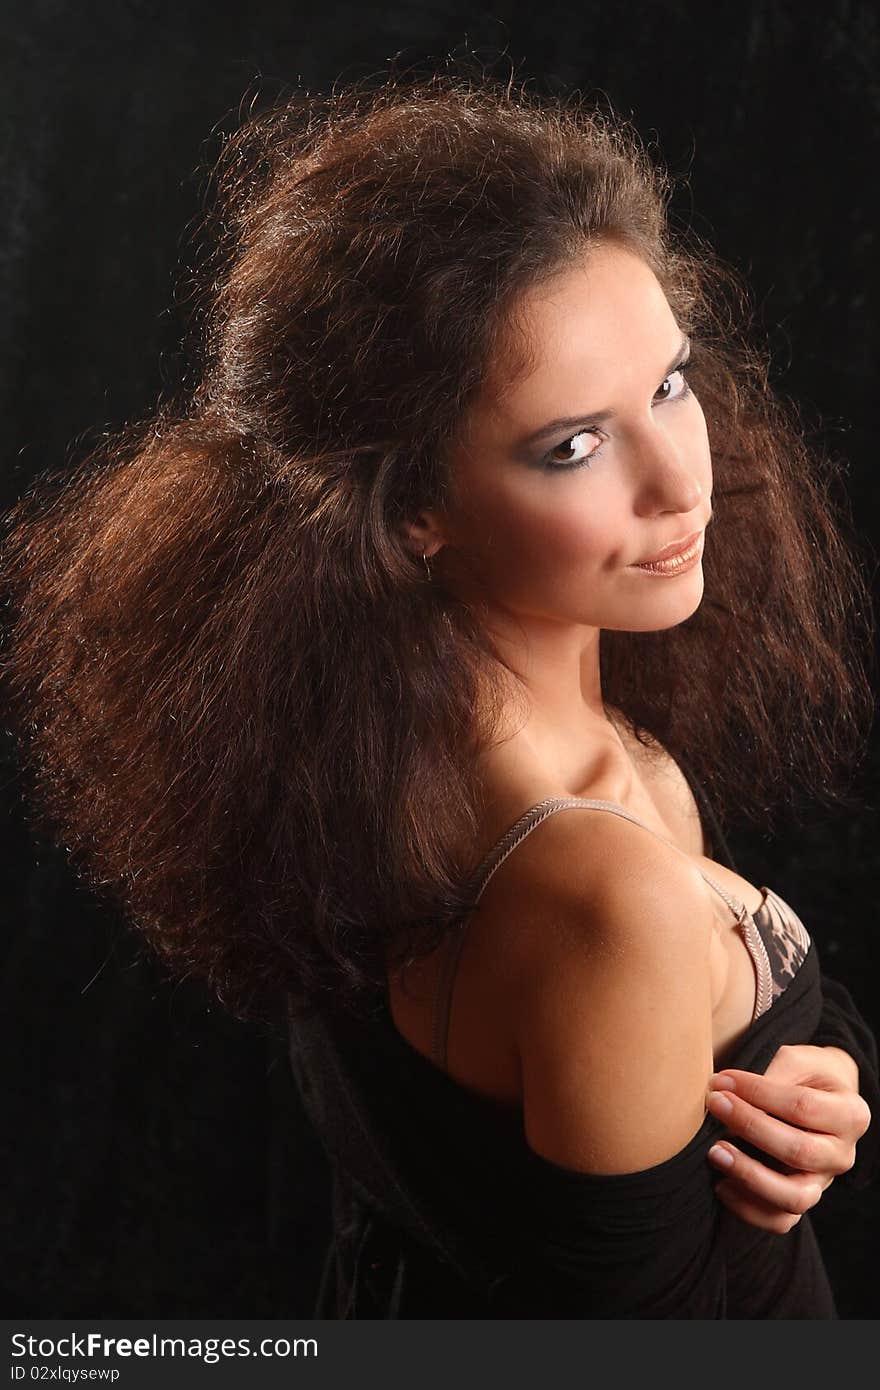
(155, 1159)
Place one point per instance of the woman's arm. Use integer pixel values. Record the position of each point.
(613, 1026)
(613, 1019)
(842, 1026)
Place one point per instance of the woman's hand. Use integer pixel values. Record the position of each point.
(804, 1110)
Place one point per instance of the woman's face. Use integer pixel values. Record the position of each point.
(546, 541)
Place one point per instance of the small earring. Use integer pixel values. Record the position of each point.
(427, 566)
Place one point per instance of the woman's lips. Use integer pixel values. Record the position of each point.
(677, 562)
(672, 549)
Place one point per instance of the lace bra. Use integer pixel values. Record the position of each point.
(775, 936)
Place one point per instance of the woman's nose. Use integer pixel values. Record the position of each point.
(667, 477)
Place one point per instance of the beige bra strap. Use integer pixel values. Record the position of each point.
(495, 858)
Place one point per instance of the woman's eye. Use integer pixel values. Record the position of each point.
(685, 389)
(552, 460)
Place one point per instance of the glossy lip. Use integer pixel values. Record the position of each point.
(672, 549)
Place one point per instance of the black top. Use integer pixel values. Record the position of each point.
(442, 1210)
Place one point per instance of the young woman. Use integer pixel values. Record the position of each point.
(403, 671)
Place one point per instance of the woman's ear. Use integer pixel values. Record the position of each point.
(423, 535)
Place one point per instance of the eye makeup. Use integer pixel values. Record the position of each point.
(551, 465)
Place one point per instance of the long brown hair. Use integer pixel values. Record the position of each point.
(245, 711)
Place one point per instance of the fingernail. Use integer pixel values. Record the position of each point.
(723, 1083)
(720, 1104)
(721, 1155)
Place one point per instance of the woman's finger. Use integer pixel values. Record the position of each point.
(801, 1102)
(749, 1181)
(755, 1211)
(836, 1111)
(797, 1138)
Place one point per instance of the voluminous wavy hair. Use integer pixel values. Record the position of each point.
(243, 709)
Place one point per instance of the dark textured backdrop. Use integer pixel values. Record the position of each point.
(156, 1162)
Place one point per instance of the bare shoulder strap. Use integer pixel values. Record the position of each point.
(495, 858)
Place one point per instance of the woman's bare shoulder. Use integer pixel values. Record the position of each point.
(612, 1015)
(579, 857)
(581, 868)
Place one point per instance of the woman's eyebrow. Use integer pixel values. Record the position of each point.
(596, 417)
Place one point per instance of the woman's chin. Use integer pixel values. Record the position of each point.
(664, 606)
